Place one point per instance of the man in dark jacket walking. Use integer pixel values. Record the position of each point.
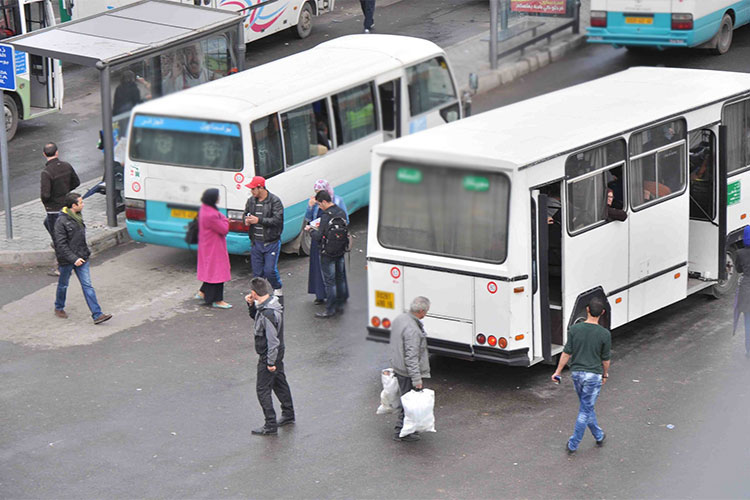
(57, 179)
(331, 255)
(72, 255)
(269, 344)
(409, 357)
(264, 213)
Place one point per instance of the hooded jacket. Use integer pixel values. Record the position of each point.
(269, 330)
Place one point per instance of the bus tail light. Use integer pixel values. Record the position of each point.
(135, 209)
(519, 337)
(375, 321)
(682, 21)
(386, 323)
(599, 19)
(492, 341)
(481, 339)
(502, 342)
(237, 221)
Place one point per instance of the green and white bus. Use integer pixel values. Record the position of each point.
(39, 85)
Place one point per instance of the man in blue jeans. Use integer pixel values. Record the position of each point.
(264, 213)
(72, 254)
(588, 349)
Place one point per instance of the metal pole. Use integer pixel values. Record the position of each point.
(493, 33)
(577, 17)
(240, 47)
(6, 174)
(108, 143)
(504, 15)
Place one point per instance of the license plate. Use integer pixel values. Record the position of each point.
(639, 20)
(384, 300)
(179, 213)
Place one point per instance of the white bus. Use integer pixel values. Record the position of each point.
(312, 115)
(262, 17)
(461, 213)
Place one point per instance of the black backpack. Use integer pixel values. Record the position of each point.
(191, 236)
(336, 238)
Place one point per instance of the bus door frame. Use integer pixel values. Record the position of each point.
(541, 319)
(394, 107)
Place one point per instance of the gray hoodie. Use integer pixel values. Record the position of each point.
(409, 348)
(269, 330)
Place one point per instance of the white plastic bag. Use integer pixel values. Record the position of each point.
(418, 412)
(389, 396)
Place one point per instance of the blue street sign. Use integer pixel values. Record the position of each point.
(7, 68)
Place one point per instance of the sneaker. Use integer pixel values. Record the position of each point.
(409, 438)
(102, 318)
(317, 302)
(264, 431)
(367, 31)
(567, 448)
(285, 421)
(53, 272)
(601, 441)
(60, 313)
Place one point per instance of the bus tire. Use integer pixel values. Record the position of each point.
(305, 241)
(305, 22)
(724, 35)
(11, 116)
(727, 286)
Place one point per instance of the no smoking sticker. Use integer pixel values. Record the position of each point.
(136, 187)
(492, 287)
(395, 273)
(238, 178)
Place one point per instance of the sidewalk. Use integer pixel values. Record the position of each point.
(31, 243)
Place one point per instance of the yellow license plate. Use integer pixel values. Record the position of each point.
(178, 213)
(639, 20)
(384, 300)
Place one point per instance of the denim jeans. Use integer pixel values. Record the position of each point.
(84, 277)
(49, 224)
(335, 282)
(368, 9)
(587, 386)
(264, 259)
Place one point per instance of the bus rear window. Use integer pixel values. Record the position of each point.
(444, 211)
(187, 143)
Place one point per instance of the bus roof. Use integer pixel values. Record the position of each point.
(559, 122)
(328, 67)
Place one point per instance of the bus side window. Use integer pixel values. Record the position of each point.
(430, 85)
(657, 162)
(354, 112)
(306, 132)
(737, 119)
(267, 153)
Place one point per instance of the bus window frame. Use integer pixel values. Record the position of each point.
(335, 128)
(746, 99)
(630, 158)
(603, 170)
(283, 145)
(329, 110)
(456, 98)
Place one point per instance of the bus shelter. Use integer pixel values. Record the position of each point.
(155, 47)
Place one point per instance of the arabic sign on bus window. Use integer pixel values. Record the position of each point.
(555, 7)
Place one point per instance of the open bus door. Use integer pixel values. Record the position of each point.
(546, 314)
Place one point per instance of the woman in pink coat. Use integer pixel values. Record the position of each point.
(213, 258)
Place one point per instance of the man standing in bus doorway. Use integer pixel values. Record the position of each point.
(264, 213)
(57, 180)
(588, 348)
(368, 9)
(409, 357)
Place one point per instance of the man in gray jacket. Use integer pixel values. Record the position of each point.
(409, 355)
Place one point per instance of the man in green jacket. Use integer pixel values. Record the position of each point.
(588, 349)
(409, 355)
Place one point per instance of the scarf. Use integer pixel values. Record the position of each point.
(78, 217)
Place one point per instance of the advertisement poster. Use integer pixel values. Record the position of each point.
(550, 7)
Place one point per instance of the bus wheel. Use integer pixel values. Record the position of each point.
(11, 116)
(305, 243)
(724, 36)
(304, 26)
(727, 286)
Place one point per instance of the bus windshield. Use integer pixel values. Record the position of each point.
(444, 211)
(188, 143)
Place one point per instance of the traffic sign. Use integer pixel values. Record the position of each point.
(7, 68)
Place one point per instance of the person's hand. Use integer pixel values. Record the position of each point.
(307, 228)
(311, 202)
(550, 220)
(249, 298)
(556, 374)
(79, 262)
(271, 368)
(418, 387)
(604, 380)
(250, 220)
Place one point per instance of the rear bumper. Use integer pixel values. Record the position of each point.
(518, 357)
(237, 243)
(657, 40)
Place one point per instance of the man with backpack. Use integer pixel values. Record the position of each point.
(333, 237)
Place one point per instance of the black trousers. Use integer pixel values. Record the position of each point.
(404, 386)
(368, 9)
(49, 224)
(275, 382)
(212, 292)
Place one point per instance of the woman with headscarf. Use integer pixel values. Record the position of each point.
(315, 278)
(742, 299)
(213, 258)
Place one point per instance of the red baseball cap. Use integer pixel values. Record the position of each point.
(257, 181)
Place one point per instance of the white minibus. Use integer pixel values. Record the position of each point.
(503, 219)
(312, 115)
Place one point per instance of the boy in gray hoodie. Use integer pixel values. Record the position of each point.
(267, 313)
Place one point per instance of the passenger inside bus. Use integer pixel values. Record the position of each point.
(612, 212)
